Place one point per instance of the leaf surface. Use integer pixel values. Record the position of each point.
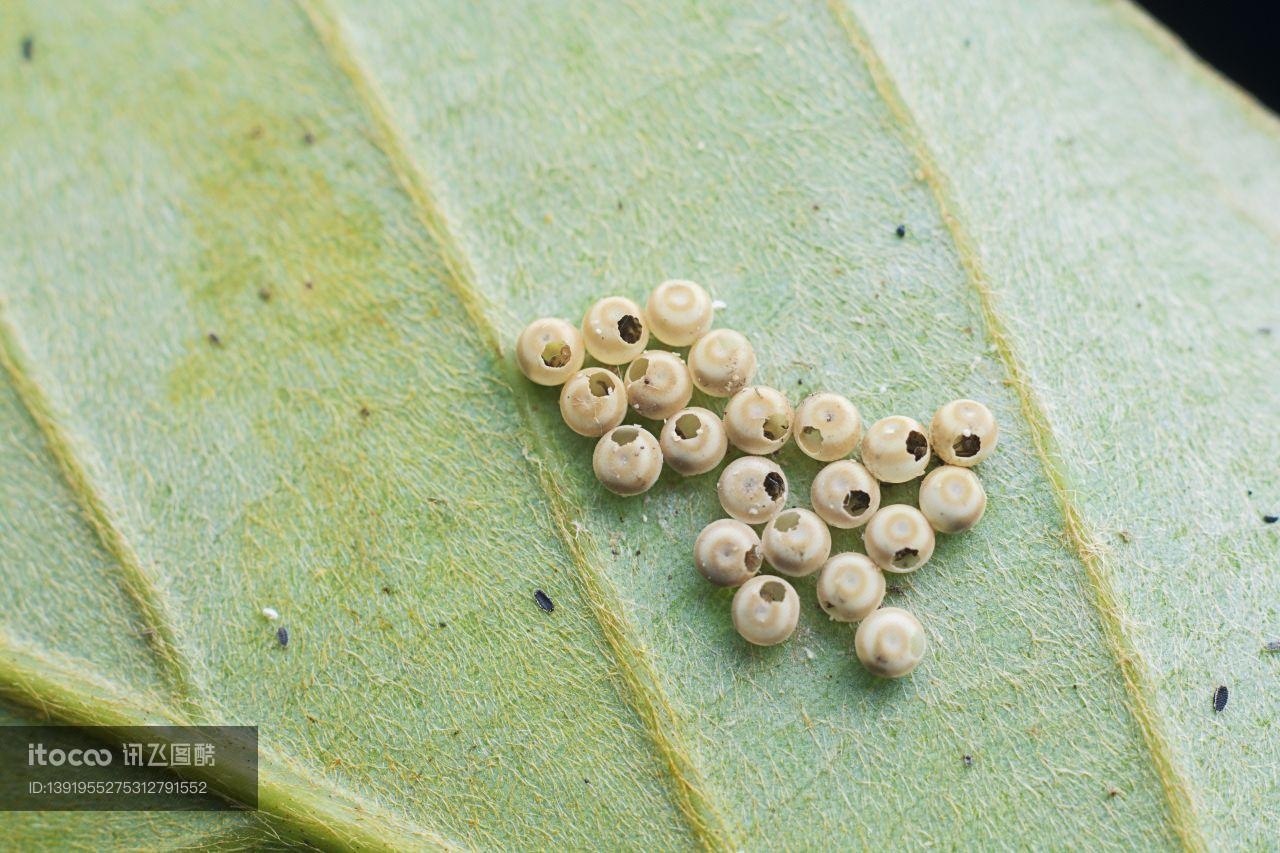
(256, 323)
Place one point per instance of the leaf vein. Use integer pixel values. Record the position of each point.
(1132, 666)
(642, 686)
(302, 803)
(138, 579)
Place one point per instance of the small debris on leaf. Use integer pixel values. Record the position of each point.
(901, 231)
(968, 760)
(1272, 646)
(214, 339)
(1220, 699)
(282, 636)
(544, 600)
(28, 48)
(1271, 519)
(271, 613)
(264, 294)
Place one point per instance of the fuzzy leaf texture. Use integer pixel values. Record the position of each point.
(261, 270)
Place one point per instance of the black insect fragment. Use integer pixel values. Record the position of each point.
(901, 231)
(1271, 519)
(544, 600)
(282, 636)
(28, 48)
(1220, 698)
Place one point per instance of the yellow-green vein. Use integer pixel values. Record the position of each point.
(1091, 556)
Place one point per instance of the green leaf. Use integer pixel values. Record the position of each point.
(257, 295)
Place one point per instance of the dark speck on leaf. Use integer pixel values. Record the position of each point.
(1272, 646)
(901, 231)
(309, 138)
(364, 412)
(308, 285)
(1271, 519)
(264, 294)
(1265, 330)
(386, 590)
(282, 636)
(544, 600)
(28, 48)
(968, 760)
(442, 624)
(1220, 699)
(214, 339)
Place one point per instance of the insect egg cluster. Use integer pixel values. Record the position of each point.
(764, 530)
